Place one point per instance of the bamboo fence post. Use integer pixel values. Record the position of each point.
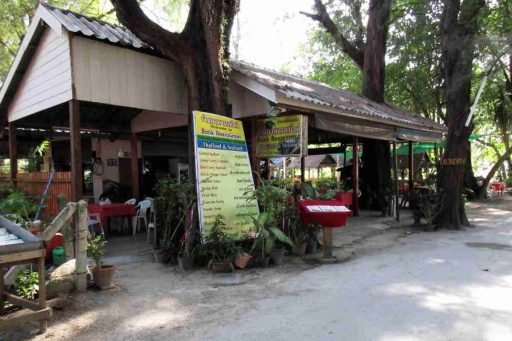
(81, 245)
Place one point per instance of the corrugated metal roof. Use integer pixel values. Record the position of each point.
(95, 28)
(321, 94)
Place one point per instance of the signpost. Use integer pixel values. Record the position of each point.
(223, 174)
(281, 136)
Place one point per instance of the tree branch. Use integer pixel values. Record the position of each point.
(326, 21)
(131, 15)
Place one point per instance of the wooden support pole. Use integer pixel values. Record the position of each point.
(66, 230)
(76, 151)
(255, 161)
(2, 289)
(42, 293)
(303, 169)
(411, 166)
(135, 165)
(81, 245)
(13, 153)
(355, 177)
(327, 242)
(395, 172)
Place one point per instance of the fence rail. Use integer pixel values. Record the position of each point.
(34, 184)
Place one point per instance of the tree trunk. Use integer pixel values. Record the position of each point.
(458, 26)
(376, 171)
(370, 58)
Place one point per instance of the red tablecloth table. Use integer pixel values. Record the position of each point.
(498, 187)
(345, 197)
(327, 220)
(112, 210)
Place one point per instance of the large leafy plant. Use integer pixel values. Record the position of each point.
(26, 284)
(18, 207)
(267, 234)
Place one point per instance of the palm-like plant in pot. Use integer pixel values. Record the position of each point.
(266, 236)
(220, 248)
(101, 273)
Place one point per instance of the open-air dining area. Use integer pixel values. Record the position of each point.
(152, 186)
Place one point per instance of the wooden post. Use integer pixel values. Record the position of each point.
(42, 293)
(355, 177)
(2, 288)
(303, 169)
(135, 165)
(411, 167)
(327, 242)
(395, 172)
(255, 161)
(67, 231)
(81, 244)
(76, 151)
(13, 153)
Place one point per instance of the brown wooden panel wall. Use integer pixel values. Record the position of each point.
(34, 185)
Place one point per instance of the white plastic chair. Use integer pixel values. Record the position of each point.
(94, 219)
(132, 201)
(142, 214)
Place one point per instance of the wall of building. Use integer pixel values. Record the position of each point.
(47, 80)
(108, 74)
(108, 150)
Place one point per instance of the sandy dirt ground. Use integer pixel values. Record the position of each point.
(397, 284)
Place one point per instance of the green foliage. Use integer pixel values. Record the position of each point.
(19, 208)
(16, 14)
(26, 284)
(266, 235)
(270, 195)
(173, 202)
(308, 191)
(96, 250)
(217, 245)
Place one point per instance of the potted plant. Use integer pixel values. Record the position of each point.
(221, 249)
(101, 273)
(266, 236)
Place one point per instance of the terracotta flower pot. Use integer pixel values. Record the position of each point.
(242, 260)
(186, 263)
(299, 249)
(103, 276)
(224, 266)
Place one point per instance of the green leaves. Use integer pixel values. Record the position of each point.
(26, 284)
(96, 249)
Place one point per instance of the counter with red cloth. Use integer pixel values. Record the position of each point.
(112, 210)
(325, 219)
(318, 212)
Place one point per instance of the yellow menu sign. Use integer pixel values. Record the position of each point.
(280, 136)
(223, 173)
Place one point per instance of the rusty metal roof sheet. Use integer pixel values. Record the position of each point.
(95, 28)
(321, 94)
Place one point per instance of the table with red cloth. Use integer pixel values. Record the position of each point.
(112, 210)
(498, 187)
(327, 220)
(345, 197)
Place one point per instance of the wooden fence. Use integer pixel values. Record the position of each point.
(34, 184)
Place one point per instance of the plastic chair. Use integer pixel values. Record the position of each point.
(142, 214)
(132, 201)
(94, 219)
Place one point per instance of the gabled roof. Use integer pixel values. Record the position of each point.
(95, 28)
(314, 161)
(323, 95)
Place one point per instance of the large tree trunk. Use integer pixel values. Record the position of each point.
(458, 26)
(376, 171)
(370, 58)
(201, 50)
